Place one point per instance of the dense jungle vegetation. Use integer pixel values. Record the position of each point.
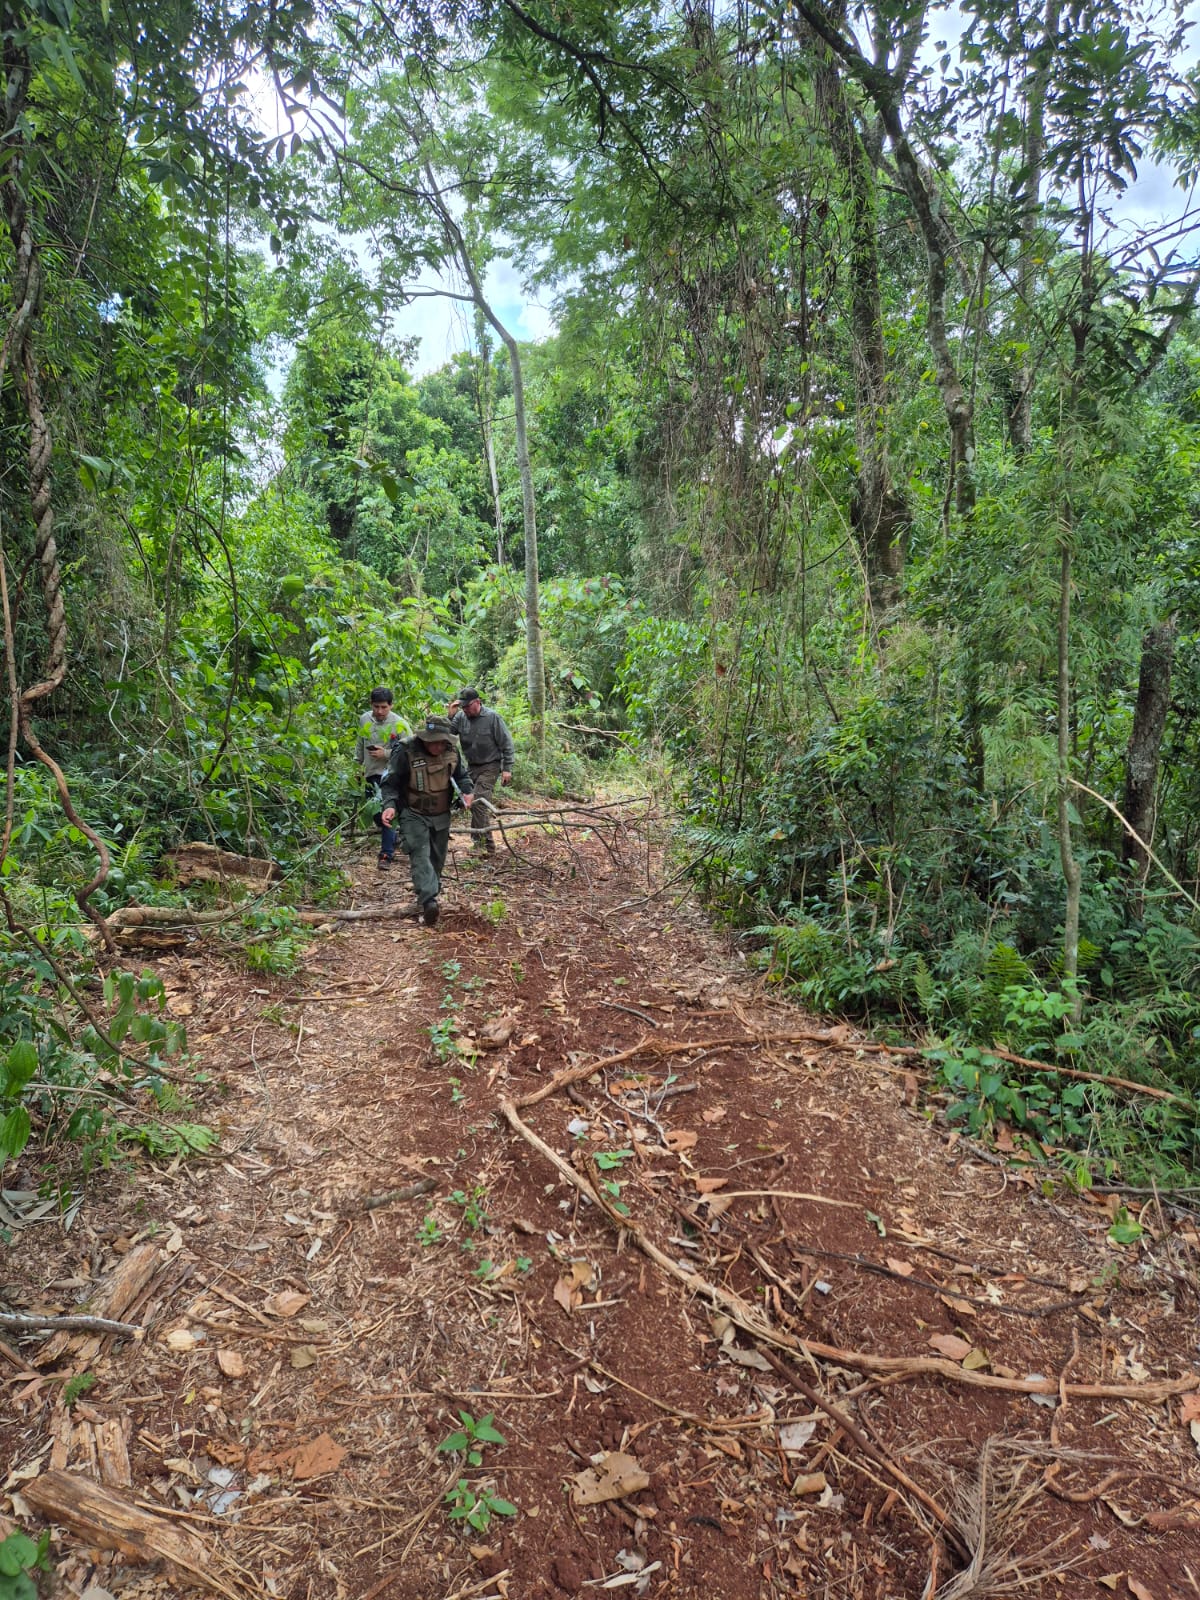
(852, 501)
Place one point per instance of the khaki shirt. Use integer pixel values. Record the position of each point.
(385, 733)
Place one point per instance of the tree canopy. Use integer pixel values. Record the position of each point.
(852, 497)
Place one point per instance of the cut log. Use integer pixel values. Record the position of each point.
(112, 1453)
(102, 1517)
(198, 862)
(128, 918)
(114, 1297)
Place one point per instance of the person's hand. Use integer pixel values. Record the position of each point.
(506, 777)
(468, 801)
(375, 749)
(387, 816)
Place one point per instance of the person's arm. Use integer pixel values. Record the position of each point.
(394, 780)
(465, 782)
(507, 750)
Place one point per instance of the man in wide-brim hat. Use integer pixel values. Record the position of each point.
(421, 778)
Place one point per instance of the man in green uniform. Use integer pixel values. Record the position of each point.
(422, 774)
(488, 747)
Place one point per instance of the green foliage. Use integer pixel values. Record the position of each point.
(430, 1232)
(19, 1558)
(475, 1505)
(471, 1438)
(77, 1386)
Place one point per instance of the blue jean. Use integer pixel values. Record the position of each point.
(387, 842)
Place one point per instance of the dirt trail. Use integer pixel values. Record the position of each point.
(305, 1355)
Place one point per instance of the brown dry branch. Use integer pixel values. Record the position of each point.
(752, 1321)
(31, 1322)
(409, 1192)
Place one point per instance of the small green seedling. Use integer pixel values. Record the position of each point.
(77, 1386)
(470, 1439)
(1125, 1229)
(609, 1160)
(474, 1207)
(476, 1507)
(429, 1232)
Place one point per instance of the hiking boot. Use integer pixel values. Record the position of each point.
(430, 912)
(384, 862)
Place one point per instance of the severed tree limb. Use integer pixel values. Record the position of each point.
(32, 1322)
(410, 1191)
(754, 1323)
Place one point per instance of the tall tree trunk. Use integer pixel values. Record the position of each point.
(1021, 412)
(885, 89)
(1072, 877)
(18, 353)
(880, 513)
(535, 666)
(485, 394)
(1145, 741)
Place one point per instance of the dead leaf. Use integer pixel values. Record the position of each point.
(809, 1483)
(793, 1436)
(749, 1358)
(975, 1360)
(1189, 1408)
(304, 1355)
(950, 1345)
(497, 1031)
(911, 1089)
(319, 1456)
(1004, 1138)
(1139, 1590)
(713, 1114)
(231, 1363)
(286, 1303)
(568, 1291)
(710, 1185)
(902, 1269)
(182, 1340)
(964, 1308)
(681, 1139)
(612, 1476)
(1111, 1580)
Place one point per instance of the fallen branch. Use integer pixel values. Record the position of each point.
(410, 1191)
(31, 1322)
(752, 1321)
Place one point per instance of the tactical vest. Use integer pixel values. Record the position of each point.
(429, 780)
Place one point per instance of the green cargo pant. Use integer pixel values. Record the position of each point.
(424, 841)
(482, 815)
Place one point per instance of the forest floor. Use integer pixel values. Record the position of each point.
(700, 1350)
